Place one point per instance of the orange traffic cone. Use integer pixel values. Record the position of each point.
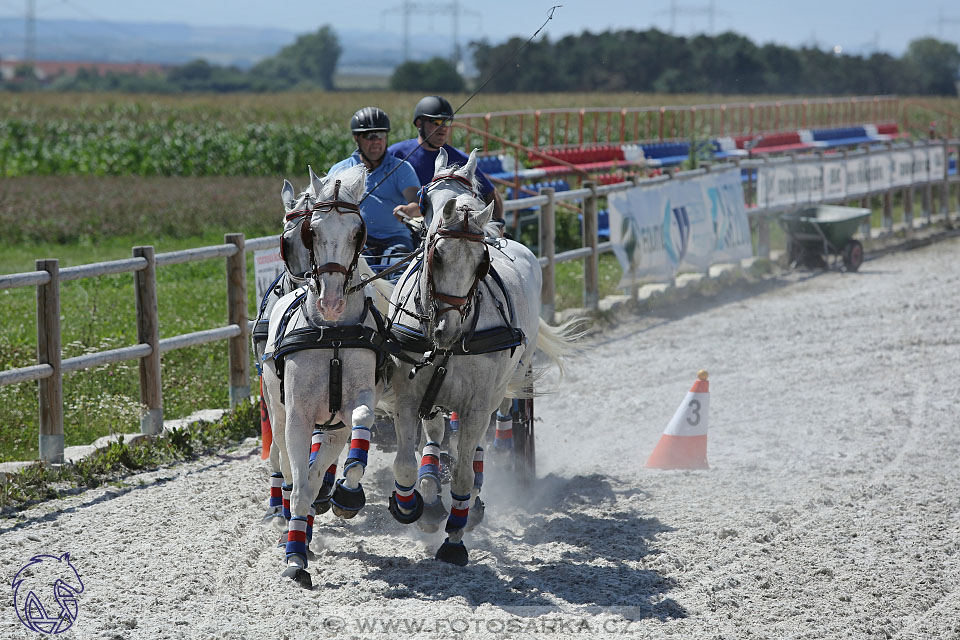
(683, 444)
(266, 431)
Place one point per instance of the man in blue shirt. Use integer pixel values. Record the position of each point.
(432, 118)
(391, 184)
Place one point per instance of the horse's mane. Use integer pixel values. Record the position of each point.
(450, 169)
(353, 182)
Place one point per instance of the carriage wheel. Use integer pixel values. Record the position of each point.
(524, 441)
(853, 255)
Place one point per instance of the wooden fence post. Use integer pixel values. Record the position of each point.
(908, 208)
(48, 352)
(926, 193)
(548, 248)
(148, 332)
(591, 263)
(237, 314)
(945, 184)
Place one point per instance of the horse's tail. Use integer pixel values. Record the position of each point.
(559, 343)
(556, 344)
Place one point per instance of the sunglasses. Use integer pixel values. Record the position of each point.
(440, 122)
(374, 135)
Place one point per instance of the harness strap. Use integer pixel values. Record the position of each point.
(426, 410)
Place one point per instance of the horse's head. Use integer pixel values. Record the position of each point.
(331, 234)
(449, 182)
(457, 259)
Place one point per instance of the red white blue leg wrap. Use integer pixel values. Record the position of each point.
(503, 438)
(430, 462)
(459, 510)
(359, 446)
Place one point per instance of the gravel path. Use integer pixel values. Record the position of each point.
(831, 509)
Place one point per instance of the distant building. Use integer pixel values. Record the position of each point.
(48, 70)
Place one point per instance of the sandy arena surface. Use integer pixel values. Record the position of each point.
(831, 509)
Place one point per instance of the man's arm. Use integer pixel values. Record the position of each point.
(497, 200)
(412, 208)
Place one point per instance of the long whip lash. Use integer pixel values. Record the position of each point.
(490, 77)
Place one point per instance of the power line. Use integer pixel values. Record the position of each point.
(408, 8)
(710, 10)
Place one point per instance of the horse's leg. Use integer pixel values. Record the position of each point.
(503, 436)
(476, 504)
(428, 476)
(473, 425)
(406, 503)
(348, 497)
(306, 483)
(322, 504)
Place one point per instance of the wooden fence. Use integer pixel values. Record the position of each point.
(47, 278)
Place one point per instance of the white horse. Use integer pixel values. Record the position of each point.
(321, 360)
(296, 260)
(482, 331)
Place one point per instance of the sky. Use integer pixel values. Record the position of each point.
(857, 26)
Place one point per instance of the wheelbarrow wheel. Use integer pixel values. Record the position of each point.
(852, 255)
(794, 253)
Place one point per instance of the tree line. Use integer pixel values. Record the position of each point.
(728, 63)
(644, 61)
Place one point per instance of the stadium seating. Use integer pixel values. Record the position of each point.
(665, 154)
(780, 142)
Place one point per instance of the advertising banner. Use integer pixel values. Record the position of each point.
(691, 224)
(267, 266)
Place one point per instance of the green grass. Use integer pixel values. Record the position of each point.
(38, 482)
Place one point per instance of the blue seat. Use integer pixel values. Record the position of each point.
(842, 136)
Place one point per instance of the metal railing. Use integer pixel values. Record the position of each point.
(47, 278)
(572, 127)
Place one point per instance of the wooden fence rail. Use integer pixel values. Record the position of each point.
(47, 277)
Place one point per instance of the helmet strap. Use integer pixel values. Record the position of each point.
(429, 146)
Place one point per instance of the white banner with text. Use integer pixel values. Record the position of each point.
(837, 177)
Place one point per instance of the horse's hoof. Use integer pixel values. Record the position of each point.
(453, 552)
(406, 518)
(434, 515)
(282, 540)
(298, 575)
(347, 502)
(322, 504)
(475, 516)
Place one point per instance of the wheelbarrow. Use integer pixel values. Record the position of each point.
(823, 233)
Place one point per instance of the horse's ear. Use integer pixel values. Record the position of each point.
(449, 211)
(441, 161)
(288, 195)
(483, 218)
(470, 168)
(315, 182)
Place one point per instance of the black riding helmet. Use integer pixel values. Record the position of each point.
(369, 119)
(432, 107)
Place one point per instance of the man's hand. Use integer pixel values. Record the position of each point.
(404, 212)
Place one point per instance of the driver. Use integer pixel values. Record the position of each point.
(386, 234)
(433, 118)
